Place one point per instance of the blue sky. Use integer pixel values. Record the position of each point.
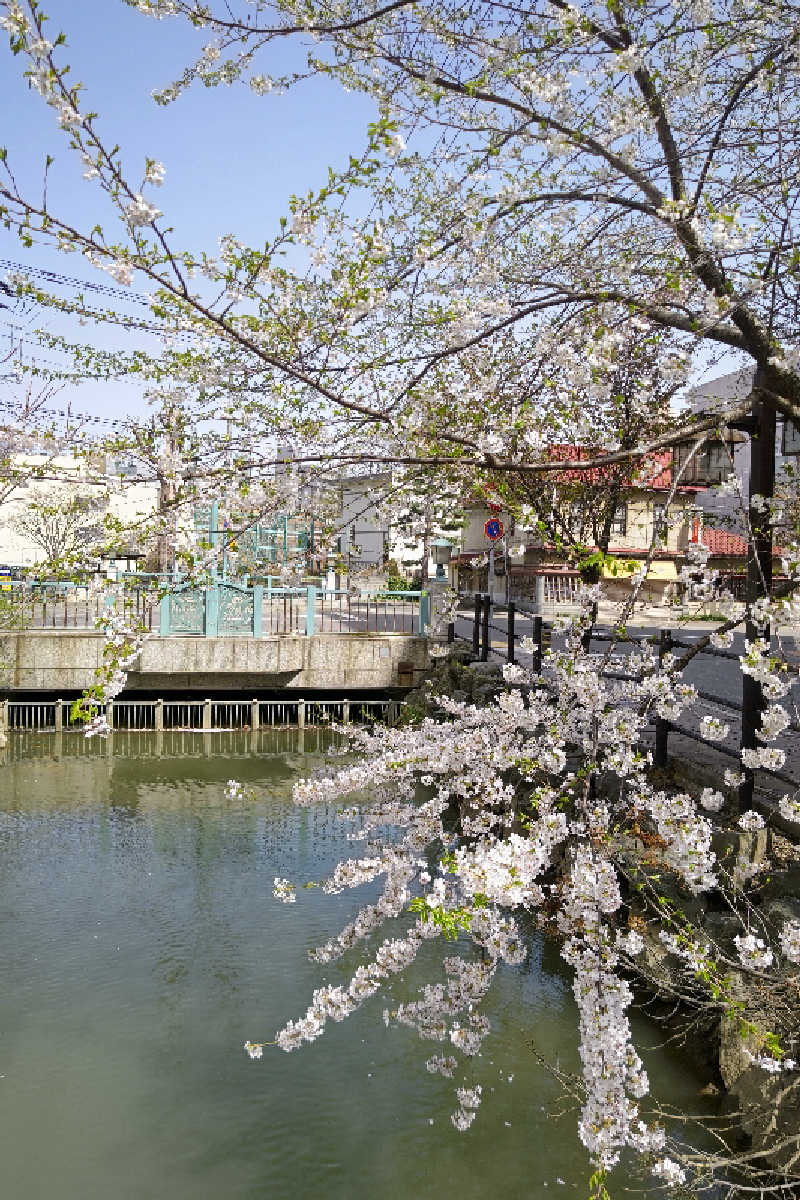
(232, 158)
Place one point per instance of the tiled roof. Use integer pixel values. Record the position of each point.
(653, 471)
(725, 543)
(730, 545)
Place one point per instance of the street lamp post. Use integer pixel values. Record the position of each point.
(442, 552)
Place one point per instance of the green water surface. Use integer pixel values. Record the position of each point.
(140, 946)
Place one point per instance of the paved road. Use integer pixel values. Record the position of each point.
(718, 677)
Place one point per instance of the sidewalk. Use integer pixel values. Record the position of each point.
(652, 617)
(666, 617)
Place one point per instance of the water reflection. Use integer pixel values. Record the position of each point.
(291, 742)
(141, 946)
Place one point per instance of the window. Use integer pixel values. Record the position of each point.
(202, 518)
(711, 463)
(660, 524)
(123, 465)
(717, 462)
(619, 522)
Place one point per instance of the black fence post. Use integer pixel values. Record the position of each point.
(451, 632)
(476, 628)
(511, 613)
(752, 708)
(487, 603)
(586, 636)
(537, 638)
(660, 757)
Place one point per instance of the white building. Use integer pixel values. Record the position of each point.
(41, 483)
(369, 538)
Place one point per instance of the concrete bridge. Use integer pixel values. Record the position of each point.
(226, 636)
(69, 660)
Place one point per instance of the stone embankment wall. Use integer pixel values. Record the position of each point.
(726, 1037)
(460, 676)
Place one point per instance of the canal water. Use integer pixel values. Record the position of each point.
(140, 947)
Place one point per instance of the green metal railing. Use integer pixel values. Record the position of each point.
(226, 608)
(62, 605)
(222, 608)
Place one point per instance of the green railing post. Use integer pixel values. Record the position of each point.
(164, 616)
(424, 613)
(258, 609)
(311, 610)
(213, 536)
(212, 611)
(213, 523)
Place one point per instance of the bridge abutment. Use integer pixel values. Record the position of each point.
(69, 661)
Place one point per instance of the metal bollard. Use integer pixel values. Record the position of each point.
(537, 638)
(660, 754)
(586, 637)
(487, 604)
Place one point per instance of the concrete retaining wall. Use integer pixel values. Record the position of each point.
(68, 661)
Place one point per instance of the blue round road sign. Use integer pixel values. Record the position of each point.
(493, 529)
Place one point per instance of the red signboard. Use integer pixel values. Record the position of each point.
(493, 529)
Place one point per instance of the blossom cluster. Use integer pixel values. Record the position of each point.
(284, 890)
(790, 941)
(753, 951)
(336, 1003)
(492, 868)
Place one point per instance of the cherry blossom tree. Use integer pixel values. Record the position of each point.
(577, 184)
(546, 184)
(603, 150)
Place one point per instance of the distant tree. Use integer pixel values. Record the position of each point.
(63, 523)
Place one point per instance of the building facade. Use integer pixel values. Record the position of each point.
(724, 508)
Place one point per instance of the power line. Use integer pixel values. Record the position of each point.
(133, 323)
(71, 281)
(63, 414)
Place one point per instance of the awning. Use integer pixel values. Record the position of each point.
(663, 570)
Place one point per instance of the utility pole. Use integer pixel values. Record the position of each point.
(426, 541)
(166, 498)
(761, 426)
